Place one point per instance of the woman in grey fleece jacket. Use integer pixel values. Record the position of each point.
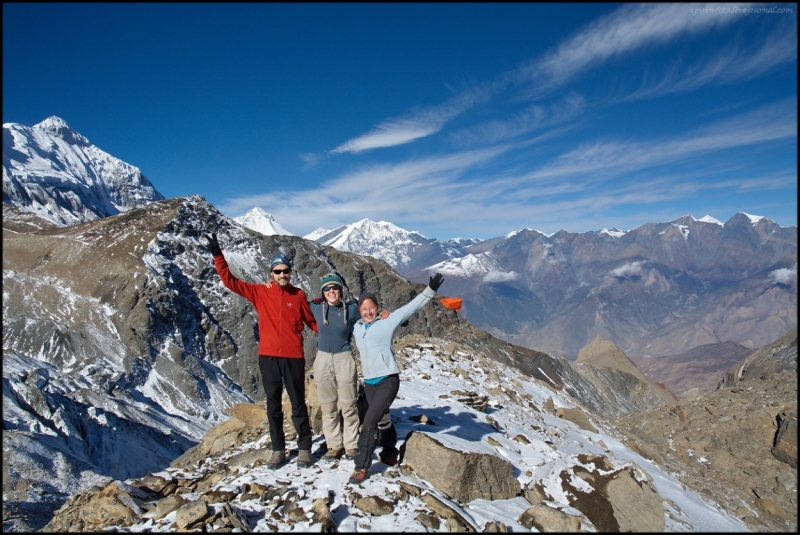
(373, 337)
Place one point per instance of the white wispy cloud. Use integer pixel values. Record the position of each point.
(768, 123)
(417, 124)
(516, 124)
(630, 28)
(422, 189)
(455, 190)
(733, 63)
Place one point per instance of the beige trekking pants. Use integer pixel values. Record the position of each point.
(337, 390)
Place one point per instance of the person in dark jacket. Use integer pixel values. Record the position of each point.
(373, 337)
(282, 312)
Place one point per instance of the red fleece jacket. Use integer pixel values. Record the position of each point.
(282, 311)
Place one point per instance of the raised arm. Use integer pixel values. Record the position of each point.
(404, 312)
(245, 289)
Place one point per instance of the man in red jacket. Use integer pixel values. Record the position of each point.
(282, 312)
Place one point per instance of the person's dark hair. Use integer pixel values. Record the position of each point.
(369, 296)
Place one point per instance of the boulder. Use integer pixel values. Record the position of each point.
(619, 499)
(191, 513)
(250, 413)
(374, 505)
(464, 476)
(785, 449)
(547, 519)
(576, 416)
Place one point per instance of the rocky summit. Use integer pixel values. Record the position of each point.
(483, 450)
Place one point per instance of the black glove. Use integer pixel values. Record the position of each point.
(213, 245)
(436, 281)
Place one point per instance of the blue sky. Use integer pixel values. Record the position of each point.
(455, 120)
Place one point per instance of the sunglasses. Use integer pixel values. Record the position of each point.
(329, 288)
(284, 271)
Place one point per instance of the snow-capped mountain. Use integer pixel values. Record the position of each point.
(55, 172)
(402, 249)
(263, 222)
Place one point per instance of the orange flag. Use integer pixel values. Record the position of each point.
(453, 303)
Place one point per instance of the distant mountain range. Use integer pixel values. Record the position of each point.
(660, 289)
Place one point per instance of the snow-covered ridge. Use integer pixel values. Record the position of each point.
(315, 235)
(540, 447)
(381, 239)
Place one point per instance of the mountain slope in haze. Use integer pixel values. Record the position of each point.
(262, 222)
(764, 362)
(694, 372)
(55, 172)
(660, 289)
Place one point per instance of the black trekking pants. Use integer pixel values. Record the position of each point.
(277, 372)
(377, 426)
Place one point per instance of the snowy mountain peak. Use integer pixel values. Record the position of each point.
(53, 124)
(262, 222)
(471, 265)
(56, 173)
(613, 232)
(380, 239)
(709, 219)
(754, 218)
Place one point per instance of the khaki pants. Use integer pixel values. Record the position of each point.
(337, 390)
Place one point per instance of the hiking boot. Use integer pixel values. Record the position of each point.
(358, 477)
(304, 459)
(276, 460)
(350, 455)
(389, 458)
(333, 454)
